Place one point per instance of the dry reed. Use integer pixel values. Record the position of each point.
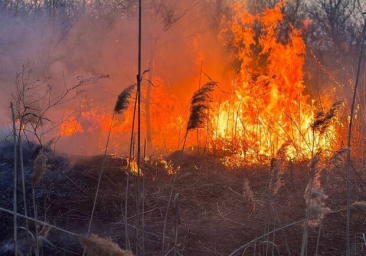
(40, 167)
(314, 195)
(200, 105)
(248, 194)
(322, 119)
(97, 246)
(123, 100)
(358, 210)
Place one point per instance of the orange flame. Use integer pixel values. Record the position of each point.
(266, 109)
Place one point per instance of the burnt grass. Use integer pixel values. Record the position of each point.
(215, 217)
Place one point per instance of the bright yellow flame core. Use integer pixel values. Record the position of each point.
(268, 108)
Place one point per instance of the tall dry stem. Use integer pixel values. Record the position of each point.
(350, 137)
(200, 105)
(100, 177)
(23, 175)
(15, 203)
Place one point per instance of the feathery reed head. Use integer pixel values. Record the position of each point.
(123, 99)
(40, 167)
(314, 194)
(200, 104)
(278, 169)
(358, 210)
(338, 157)
(97, 246)
(248, 193)
(322, 119)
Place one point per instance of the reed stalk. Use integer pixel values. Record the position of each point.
(23, 175)
(100, 177)
(15, 203)
(127, 241)
(348, 166)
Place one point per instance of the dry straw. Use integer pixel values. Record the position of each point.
(40, 167)
(123, 100)
(97, 246)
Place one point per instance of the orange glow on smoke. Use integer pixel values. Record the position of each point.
(70, 126)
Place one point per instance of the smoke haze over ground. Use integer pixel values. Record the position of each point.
(62, 50)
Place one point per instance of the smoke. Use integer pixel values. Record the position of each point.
(54, 49)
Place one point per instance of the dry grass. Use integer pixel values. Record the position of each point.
(97, 246)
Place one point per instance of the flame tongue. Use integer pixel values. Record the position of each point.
(270, 109)
(266, 110)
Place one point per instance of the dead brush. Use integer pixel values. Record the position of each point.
(97, 246)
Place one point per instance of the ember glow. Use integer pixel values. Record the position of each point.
(265, 108)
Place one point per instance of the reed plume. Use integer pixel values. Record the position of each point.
(200, 105)
(322, 119)
(358, 210)
(40, 167)
(314, 195)
(97, 246)
(123, 99)
(248, 193)
(278, 169)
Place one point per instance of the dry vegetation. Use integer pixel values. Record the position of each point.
(263, 168)
(220, 209)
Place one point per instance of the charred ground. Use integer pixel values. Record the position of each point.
(217, 215)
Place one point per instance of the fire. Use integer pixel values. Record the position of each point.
(266, 109)
(70, 126)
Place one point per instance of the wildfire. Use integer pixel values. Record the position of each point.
(70, 126)
(266, 109)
